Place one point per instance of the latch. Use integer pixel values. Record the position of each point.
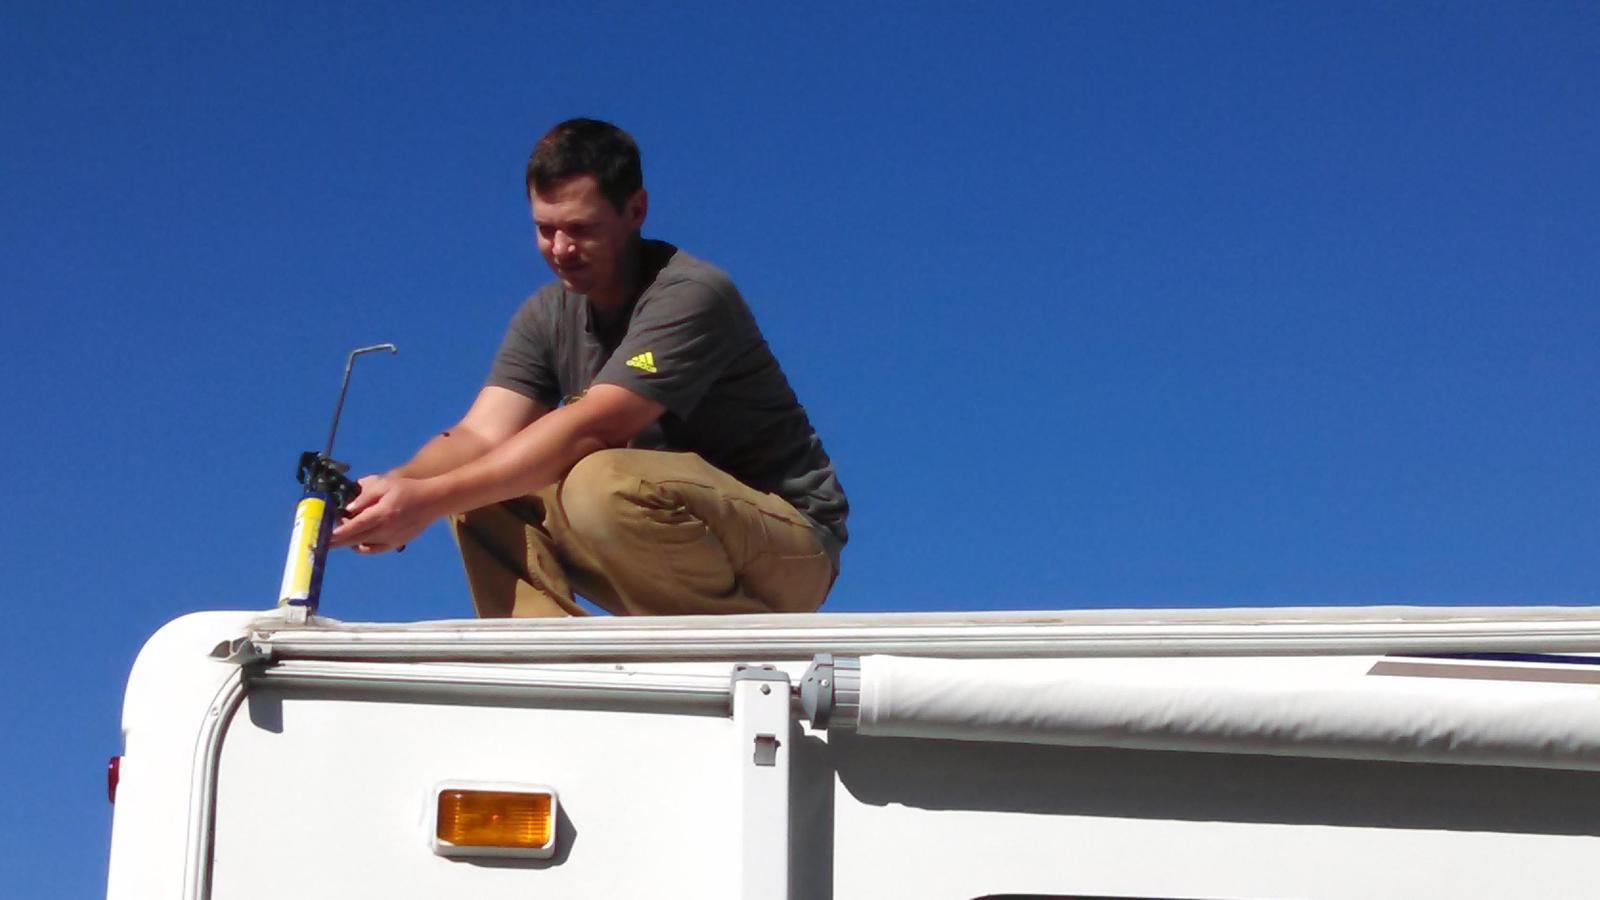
(766, 750)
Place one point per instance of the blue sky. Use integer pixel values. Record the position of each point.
(1156, 304)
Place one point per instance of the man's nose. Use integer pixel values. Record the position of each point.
(562, 245)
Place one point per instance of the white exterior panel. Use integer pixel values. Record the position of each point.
(175, 699)
(327, 797)
(946, 820)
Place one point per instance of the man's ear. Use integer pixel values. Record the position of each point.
(638, 205)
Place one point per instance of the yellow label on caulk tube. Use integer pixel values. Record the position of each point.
(298, 569)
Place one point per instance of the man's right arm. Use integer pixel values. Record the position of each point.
(496, 415)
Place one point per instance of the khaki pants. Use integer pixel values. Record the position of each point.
(642, 532)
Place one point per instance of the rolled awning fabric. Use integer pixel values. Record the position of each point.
(1344, 713)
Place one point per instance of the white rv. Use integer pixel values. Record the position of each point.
(1361, 753)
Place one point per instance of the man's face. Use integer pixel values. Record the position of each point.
(583, 238)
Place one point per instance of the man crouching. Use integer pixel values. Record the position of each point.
(636, 441)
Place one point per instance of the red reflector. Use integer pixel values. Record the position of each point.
(113, 773)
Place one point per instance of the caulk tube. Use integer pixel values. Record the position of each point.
(308, 545)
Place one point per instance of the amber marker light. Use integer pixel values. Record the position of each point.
(494, 819)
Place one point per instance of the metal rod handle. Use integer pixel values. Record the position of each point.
(339, 404)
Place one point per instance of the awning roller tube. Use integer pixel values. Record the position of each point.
(1351, 716)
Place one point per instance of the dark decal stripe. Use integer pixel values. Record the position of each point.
(1564, 659)
(1485, 673)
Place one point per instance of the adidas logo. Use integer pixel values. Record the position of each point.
(645, 361)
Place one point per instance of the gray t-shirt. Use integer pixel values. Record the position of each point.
(689, 343)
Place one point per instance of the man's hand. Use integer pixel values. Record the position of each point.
(390, 511)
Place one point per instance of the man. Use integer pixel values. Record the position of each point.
(635, 442)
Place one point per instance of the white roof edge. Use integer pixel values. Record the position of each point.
(1209, 615)
(1124, 632)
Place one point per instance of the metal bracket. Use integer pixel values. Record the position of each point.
(767, 674)
(752, 672)
(760, 701)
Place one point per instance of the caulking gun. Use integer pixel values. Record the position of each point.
(327, 492)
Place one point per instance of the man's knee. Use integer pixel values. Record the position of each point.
(473, 524)
(606, 491)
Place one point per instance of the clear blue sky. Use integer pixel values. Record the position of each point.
(1156, 304)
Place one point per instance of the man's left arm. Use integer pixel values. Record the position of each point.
(396, 509)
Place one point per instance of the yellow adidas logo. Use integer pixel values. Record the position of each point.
(645, 361)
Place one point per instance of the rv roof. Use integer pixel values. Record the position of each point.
(1276, 631)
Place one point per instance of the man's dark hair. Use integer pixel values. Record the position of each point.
(586, 147)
